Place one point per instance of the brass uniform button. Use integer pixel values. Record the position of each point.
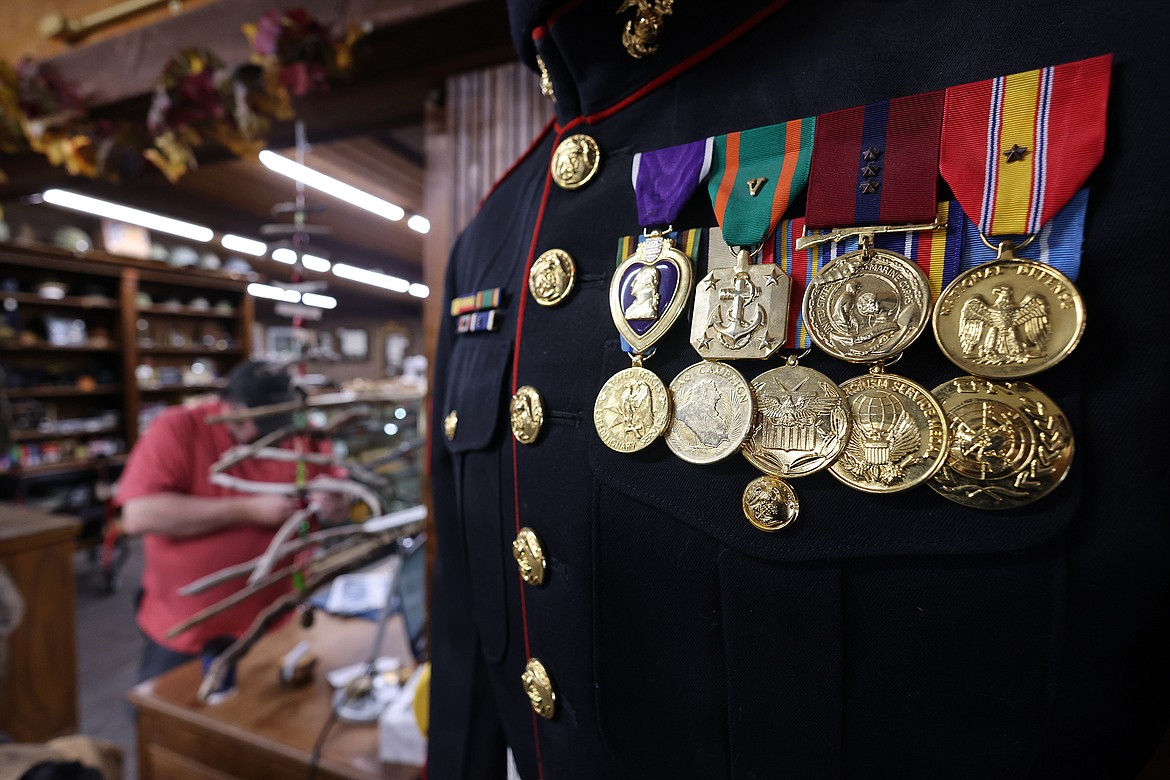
(526, 410)
(552, 276)
(450, 423)
(529, 556)
(575, 161)
(539, 688)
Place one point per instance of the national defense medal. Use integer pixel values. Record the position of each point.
(713, 409)
(1010, 443)
(1009, 318)
(899, 435)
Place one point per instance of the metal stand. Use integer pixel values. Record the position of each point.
(358, 702)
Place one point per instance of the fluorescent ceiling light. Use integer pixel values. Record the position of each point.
(248, 246)
(273, 293)
(320, 301)
(331, 186)
(284, 255)
(104, 208)
(314, 263)
(419, 224)
(419, 290)
(346, 271)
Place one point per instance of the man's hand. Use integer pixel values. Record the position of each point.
(271, 510)
(334, 506)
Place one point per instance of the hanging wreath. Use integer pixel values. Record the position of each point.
(197, 100)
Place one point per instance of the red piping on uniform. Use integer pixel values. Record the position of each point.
(686, 64)
(523, 156)
(555, 16)
(538, 33)
(515, 469)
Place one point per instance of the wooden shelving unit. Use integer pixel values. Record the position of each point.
(117, 312)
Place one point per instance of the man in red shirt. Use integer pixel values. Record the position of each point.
(192, 527)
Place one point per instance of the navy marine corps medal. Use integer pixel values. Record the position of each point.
(741, 311)
(1010, 443)
(898, 438)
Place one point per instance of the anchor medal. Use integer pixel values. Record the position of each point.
(741, 312)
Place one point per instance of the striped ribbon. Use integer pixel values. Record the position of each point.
(780, 154)
(685, 241)
(479, 322)
(484, 299)
(1015, 149)
(876, 164)
(1058, 243)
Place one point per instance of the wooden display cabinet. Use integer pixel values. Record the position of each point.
(77, 357)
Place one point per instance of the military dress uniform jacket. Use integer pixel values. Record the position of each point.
(880, 636)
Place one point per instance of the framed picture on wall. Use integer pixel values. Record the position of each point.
(353, 343)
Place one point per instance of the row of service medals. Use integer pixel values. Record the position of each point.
(985, 440)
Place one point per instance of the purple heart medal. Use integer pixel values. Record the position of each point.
(647, 294)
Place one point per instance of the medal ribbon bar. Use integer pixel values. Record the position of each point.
(876, 164)
(1015, 149)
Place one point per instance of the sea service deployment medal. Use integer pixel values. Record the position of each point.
(1010, 443)
(899, 435)
(802, 421)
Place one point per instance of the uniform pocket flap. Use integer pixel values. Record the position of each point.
(474, 402)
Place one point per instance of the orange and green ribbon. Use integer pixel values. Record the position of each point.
(755, 176)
